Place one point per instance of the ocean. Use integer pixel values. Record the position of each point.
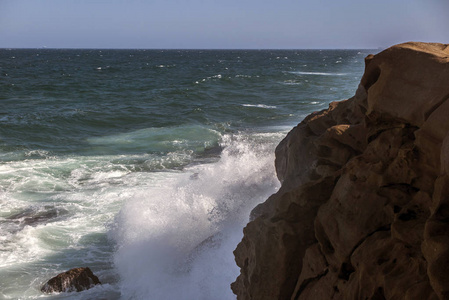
(145, 164)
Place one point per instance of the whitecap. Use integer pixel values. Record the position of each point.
(318, 73)
(38, 153)
(291, 82)
(260, 106)
(218, 76)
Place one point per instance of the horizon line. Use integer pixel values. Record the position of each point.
(179, 49)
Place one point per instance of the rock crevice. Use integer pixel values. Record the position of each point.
(363, 210)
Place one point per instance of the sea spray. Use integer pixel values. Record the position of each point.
(175, 240)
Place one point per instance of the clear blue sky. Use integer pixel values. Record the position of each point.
(221, 23)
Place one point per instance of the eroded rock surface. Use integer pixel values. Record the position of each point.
(363, 211)
(74, 280)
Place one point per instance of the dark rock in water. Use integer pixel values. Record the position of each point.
(32, 216)
(213, 151)
(77, 279)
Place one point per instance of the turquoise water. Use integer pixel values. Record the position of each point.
(144, 164)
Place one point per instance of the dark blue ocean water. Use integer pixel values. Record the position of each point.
(127, 160)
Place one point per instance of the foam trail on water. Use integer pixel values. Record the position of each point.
(259, 105)
(175, 240)
(319, 73)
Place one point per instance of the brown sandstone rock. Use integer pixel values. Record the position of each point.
(363, 211)
(77, 279)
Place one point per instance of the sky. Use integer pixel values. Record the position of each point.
(221, 24)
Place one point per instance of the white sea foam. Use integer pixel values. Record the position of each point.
(54, 216)
(318, 73)
(218, 76)
(175, 239)
(175, 233)
(243, 76)
(291, 82)
(260, 106)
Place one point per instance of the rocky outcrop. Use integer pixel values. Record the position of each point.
(77, 279)
(363, 210)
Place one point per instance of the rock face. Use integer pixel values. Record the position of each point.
(78, 279)
(363, 211)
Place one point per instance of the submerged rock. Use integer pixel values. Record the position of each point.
(363, 210)
(36, 216)
(33, 216)
(74, 280)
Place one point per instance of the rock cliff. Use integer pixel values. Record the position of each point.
(363, 211)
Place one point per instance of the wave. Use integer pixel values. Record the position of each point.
(155, 140)
(175, 240)
(260, 106)
(55, 213)
(165, 66)
(214, 77)
(318, 73)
